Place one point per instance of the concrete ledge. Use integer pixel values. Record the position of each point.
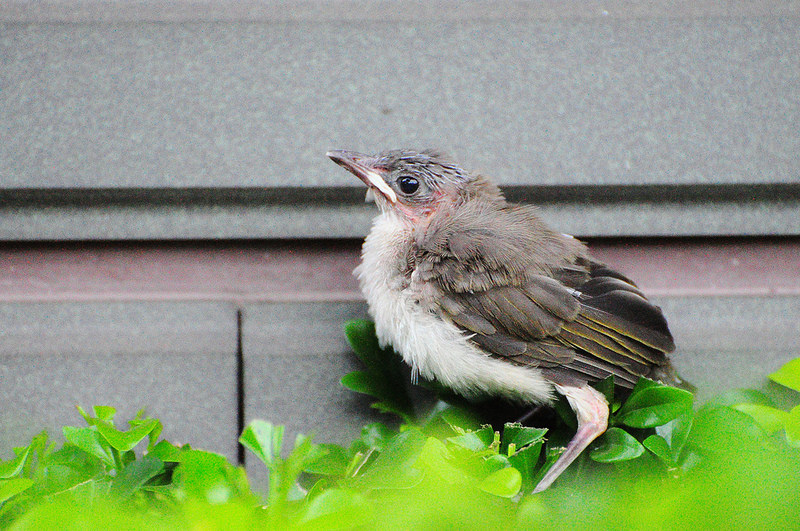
(585, 211)
(564, 102)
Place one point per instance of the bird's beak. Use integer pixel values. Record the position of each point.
(359, 165)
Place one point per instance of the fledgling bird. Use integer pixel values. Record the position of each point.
(481, 295)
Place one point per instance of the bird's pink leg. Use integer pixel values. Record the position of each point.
(591, 408)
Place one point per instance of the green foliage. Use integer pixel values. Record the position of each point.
(788, 375)
(652, 404)
(617, 445)
(383, 374)
(663, 463)
(97, 477)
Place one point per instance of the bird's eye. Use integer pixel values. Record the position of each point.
(408, 185)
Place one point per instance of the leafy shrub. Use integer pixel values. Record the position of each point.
(663, 463)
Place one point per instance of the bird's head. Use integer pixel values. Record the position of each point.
(414, 184)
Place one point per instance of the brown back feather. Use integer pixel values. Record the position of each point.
(534, 297)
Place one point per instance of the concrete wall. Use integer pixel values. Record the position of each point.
(123, 123)
(211, 120)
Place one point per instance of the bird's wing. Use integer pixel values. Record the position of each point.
(578, 322)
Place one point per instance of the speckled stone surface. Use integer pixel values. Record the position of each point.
(732, 342)
(531, 102)
(762, 215)
(177, 360)
(167, 121)
(591, 101)
(295, 354)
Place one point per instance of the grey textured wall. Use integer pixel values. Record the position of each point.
(180, 361)
(209, 120)
(188, 121)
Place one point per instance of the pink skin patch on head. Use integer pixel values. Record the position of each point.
(421, 213)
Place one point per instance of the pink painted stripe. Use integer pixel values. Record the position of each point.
(322, 271)
(707, 267)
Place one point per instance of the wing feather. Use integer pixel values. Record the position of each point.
(497, 283)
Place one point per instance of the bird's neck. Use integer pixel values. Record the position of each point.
(385, 254)
(383, 273)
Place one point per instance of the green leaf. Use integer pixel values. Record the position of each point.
(13, 467)
(606, 387)
(360, 334)
(475, 440)
(369, 383)
(360, 382)
(125, 440)
(676, 432)
(86, 416)
(458, 417)
(89, 441)
(67, 467)
(565, 412)
(505, 483)
(654, 405)
(38, 448)
(336, 509)
(551, 456)
(617, 445)
(284, 473)
(392, 469)
(436, 459)
(209, 477)
(11, 487)
(332, 461)
(445, 419)
(383, 378)
(263, 439)
(152, 437)
(304, 451)
(788, 375)
(165, 451)
(376, 435)
(525, 460)
(769, 418)
(393, 408)
(493, 463)
(520, 436)
(136, 474)
(792, 427)
(644, 383)
(724, 429)
(659, 446)
(105, 413)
